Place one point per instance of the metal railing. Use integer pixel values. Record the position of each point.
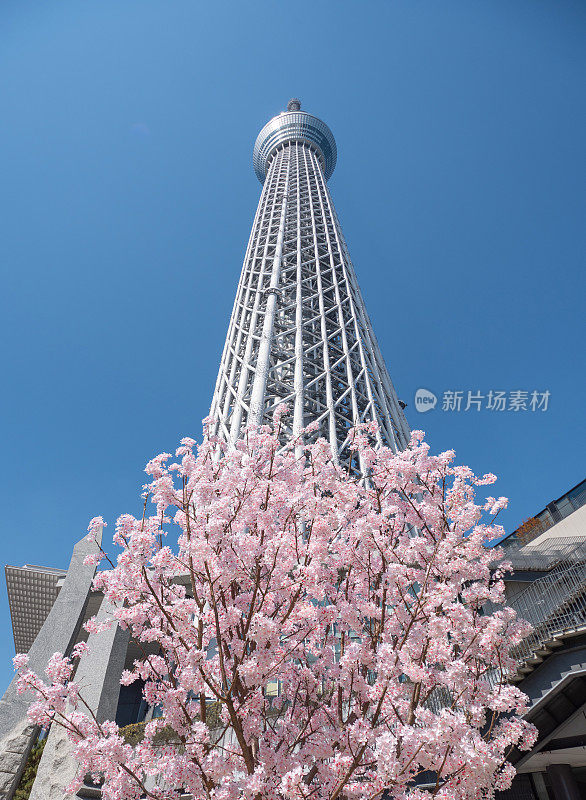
(565, 550)
(554, 604)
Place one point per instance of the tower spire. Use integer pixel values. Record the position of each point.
(299, 332)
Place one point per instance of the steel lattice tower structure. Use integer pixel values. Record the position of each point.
(299, 332)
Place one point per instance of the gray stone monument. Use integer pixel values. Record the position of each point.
(98, 676)
(58, 634)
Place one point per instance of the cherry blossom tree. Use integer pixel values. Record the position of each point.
(306, 633)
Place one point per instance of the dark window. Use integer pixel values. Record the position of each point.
(132, 707)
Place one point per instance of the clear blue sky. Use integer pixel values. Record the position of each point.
(127, 195)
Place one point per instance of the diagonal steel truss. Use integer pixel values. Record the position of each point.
(299, 331)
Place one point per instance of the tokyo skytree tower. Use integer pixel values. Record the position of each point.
(299, 332)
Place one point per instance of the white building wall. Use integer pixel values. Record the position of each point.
(574, 525)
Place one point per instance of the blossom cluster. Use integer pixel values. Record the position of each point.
(337, 623)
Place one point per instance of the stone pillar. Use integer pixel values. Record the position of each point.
(563, 782)
(58, 634)
(98, 676)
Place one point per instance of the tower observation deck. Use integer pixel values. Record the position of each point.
(299, 332)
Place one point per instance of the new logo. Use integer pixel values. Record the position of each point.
(424, 400)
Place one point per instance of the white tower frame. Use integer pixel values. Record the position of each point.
(299, 332)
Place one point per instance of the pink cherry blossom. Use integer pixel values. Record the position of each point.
(305, 632)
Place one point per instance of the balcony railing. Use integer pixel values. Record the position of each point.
(554, 605)
(566, 551)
